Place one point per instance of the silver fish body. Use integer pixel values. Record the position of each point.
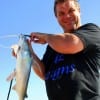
(23, 67)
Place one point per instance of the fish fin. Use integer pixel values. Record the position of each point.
(15, 48)
(11, 76)
(14, 87)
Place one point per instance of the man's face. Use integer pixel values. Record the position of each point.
(68, 15)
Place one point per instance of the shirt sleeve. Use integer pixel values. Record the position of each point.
(90, 35)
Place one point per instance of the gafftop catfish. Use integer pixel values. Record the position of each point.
(24, 62)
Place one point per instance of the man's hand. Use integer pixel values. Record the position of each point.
(38, 37)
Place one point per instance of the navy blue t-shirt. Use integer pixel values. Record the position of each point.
(75, 76)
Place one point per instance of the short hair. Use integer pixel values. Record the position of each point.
(61, 1)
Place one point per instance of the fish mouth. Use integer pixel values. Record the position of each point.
(26, 35)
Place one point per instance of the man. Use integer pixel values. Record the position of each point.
(71, 63)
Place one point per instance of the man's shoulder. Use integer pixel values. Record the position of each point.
(90, 25)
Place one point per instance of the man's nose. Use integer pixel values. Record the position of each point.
(68, 16)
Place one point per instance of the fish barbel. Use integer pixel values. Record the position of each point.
(24, 62)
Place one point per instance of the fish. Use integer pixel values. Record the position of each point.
(24, 61)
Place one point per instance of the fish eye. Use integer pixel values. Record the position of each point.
(19, 48)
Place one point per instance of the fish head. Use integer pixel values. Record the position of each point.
(23, 43)
(21, 46)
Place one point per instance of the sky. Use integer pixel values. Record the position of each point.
(26, 16)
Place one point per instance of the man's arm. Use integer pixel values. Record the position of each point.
(66, 43)
(37, 65)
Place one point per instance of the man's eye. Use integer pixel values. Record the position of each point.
(61, 13)
(72, 10)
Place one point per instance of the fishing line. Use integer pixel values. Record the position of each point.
(8, 36)
(12, 36)
(9, 89)
(2, 46)
(5, 37)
